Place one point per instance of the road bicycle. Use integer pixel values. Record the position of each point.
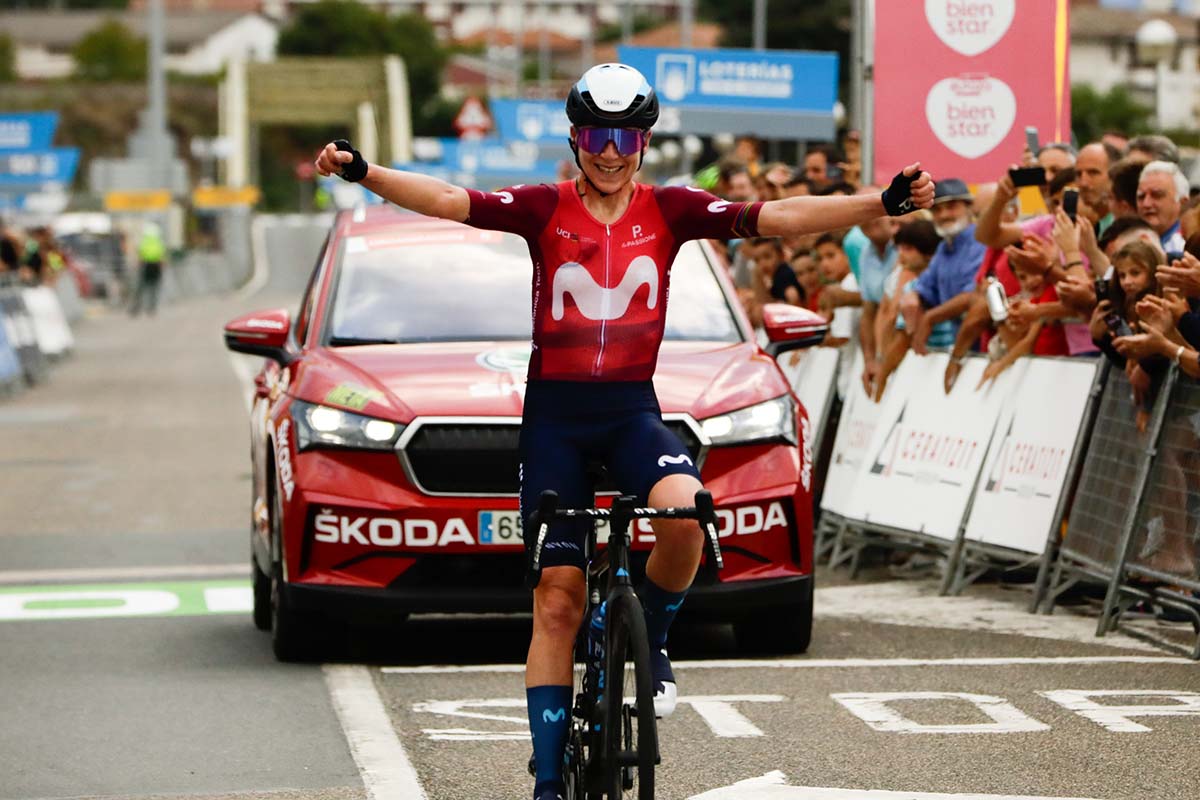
(612, 748)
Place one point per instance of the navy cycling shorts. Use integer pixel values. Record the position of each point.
(566, 426)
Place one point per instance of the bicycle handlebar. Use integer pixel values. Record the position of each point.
(548, 510)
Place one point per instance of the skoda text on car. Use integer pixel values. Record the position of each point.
(385, 424)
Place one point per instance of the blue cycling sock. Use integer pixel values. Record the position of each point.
(549, 722)
(660, 607)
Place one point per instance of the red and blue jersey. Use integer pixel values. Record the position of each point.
(600, 290)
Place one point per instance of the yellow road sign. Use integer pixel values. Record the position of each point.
(149, 200)
(223, 196)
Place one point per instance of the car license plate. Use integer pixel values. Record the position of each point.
(499, 527)
(504, 527)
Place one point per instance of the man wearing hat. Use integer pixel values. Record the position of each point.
(933, 303)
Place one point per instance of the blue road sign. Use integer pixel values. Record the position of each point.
(788, 80)
(541, 121)
(36, 168)
(32, 131)
(488, 161)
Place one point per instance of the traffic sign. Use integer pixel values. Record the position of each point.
(35, 168)
(787, 94)
(541, 121)
(34, 131)
(473, 120)
(155, 200)
(225, 196)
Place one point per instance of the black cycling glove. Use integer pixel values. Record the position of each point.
(897, 197)
(356, 170)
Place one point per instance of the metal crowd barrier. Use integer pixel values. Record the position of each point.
(20, 331)
(1130, 499)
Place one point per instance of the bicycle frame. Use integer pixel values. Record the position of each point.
(611, 569)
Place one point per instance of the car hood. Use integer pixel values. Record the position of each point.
(403, 381)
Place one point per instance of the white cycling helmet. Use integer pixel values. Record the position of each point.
(612, 96)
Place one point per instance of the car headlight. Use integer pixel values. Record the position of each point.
(325, 426)
(774, 419)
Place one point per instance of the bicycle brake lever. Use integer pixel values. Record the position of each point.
(543, 517)
(707, 516)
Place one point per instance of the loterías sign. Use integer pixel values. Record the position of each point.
(958, 81)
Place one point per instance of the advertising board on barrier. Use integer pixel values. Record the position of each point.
(928, 447)
(989, 68)
(856, 428)
(1026, 468)
(811, 374)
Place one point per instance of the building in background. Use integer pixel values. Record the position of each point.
(198, 42)
(1104, 54)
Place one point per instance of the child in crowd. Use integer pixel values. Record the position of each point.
(1134, 267)
(916, 242)
(808, 275)
(1022, 334)
(843, 315)
(775, 281)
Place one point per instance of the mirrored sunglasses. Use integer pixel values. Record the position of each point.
(627, 140)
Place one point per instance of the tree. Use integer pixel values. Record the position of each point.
(1093, 113)
(823, 25)
(8, 59)
(344, 28)
(110, 53)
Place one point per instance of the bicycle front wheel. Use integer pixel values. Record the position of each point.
(630, 733)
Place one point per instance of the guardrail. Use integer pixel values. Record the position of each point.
(1043, 466)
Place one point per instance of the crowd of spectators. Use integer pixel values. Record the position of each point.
(1108, 266)
(30, 257)
(1076, 279)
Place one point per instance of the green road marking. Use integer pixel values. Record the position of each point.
(108, 600)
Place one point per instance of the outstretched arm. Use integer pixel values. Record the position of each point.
(910, 190)
(420, 193)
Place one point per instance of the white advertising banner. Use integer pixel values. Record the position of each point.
(856, 428)
(1026, 468)
(927, 448)
(811, 374)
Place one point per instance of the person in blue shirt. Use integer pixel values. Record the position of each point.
(877, 261)
(933, 304)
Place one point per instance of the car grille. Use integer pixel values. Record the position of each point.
(481, 458)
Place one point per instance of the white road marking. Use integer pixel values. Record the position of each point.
(229, 600)
(18, 577)
(87, 604)
(826, 663)
(258, 252)
(1117, 718)
(918, 603)
(717, 711)
(722, 718)
(873, 709)
(773, 786)
(386, 770)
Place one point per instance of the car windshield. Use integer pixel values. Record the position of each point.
(466, 285)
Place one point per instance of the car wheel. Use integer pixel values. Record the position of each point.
(787, 629)
(262, 594)
(290, 639)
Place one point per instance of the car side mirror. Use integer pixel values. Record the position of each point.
(261, 333)
(792, 328)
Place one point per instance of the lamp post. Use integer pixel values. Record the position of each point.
(1155, 41)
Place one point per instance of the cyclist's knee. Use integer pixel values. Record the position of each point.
(558, 604)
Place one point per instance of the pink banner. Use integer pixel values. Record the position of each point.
(957, 82)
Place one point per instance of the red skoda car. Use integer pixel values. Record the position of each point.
(385, 421)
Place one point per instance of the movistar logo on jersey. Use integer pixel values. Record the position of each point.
(663, 460)
(596, 302)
